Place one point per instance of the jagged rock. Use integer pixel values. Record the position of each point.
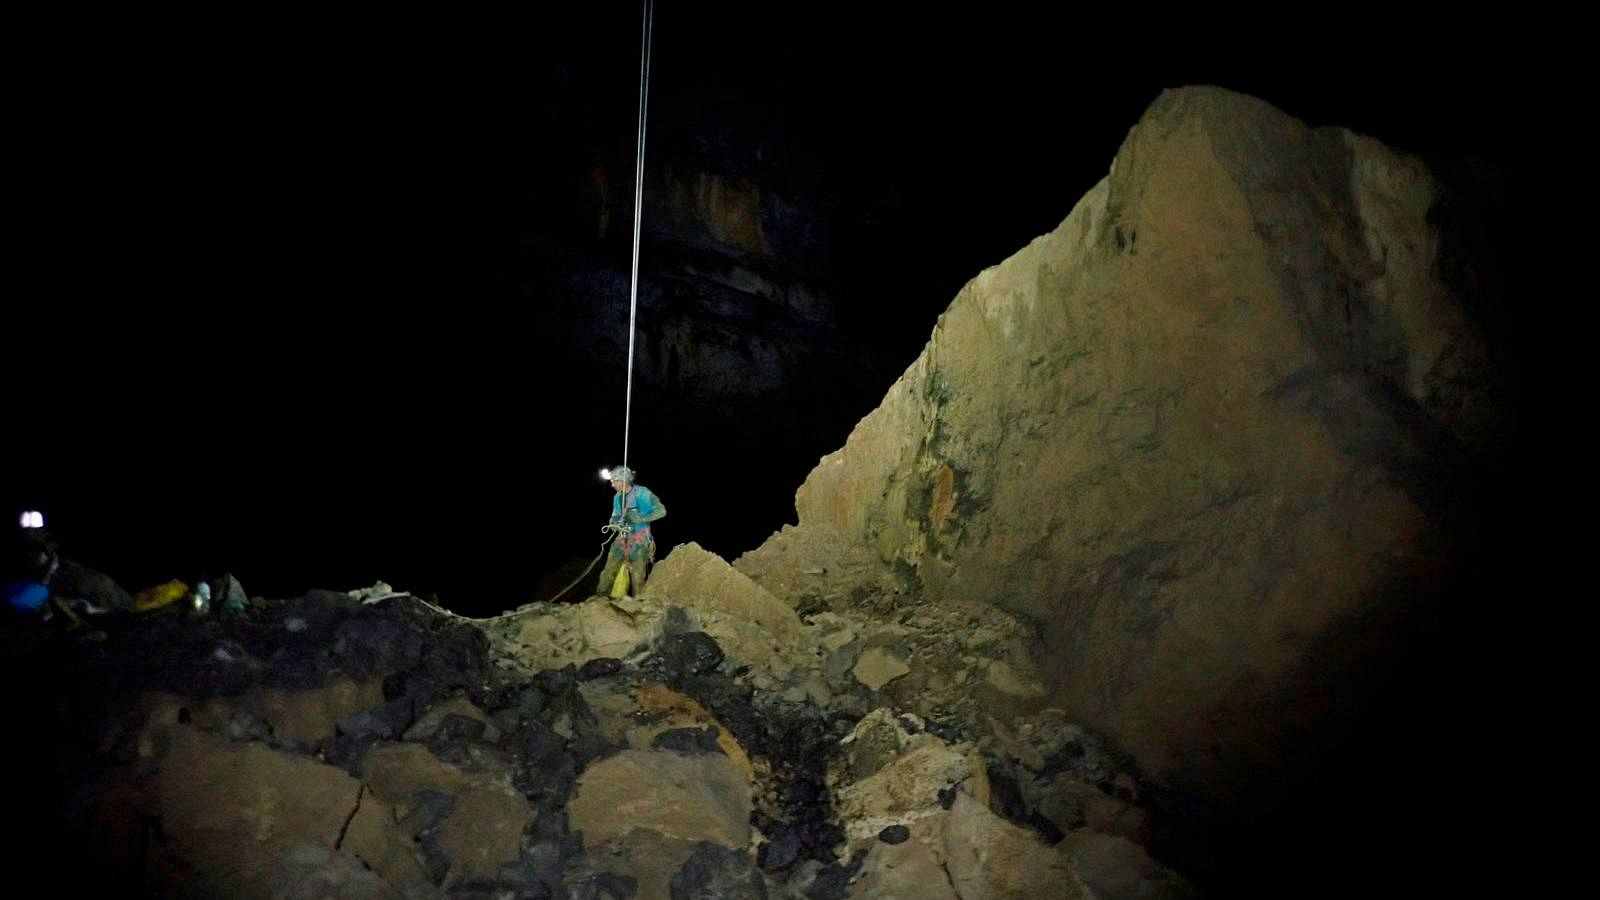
(483, 826)
(648, 858)
(359, 731)
(634, 715)
(875, 741)
(599, 668)
(75, 581)
(458, 742)
(781, 849)
(324, 634)
(429, 723)
(1060, 803)
(617, 887)
(833, 880)
(912, 869)
(303, 719)
(690, 591)
(417, 687)
(838, 639)
(535, 743)
(718, 873)
(748, 622)
(309, 871)
(372, 642)
(387, 721)
(1113, 866)
(1058, 776)
(394, 771)
(817, 690)
(311, 717)
(877, 667)
(888, 776)
(235, 815)
(925, 805)
(839, 662)
(853, 565)
(1017, 796)
(691, 653)
(967, 852)
(987, 856)
(485, 821)
(1005, 679)
(1152, 429)
(446, 815)
(1071, 803)
(1065, 746)
(483, 831)
(579, 634)
(693, 798)
(690, 741)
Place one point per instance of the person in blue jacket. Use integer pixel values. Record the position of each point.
(632, 510)
(27, 564)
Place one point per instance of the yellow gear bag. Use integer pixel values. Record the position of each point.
(159, 596)
(619, 585)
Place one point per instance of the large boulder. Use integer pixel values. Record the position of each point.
(1206, 434)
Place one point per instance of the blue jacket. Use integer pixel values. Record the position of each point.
(25, 596)
(642, 508)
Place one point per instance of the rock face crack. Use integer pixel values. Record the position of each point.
(945, 868)
(339, 841)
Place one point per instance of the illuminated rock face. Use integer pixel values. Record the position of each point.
(1199, 434)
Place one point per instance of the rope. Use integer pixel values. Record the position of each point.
(638, 205)
(633, 315)
(610, 533)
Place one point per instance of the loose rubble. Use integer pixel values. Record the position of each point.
(666, 746)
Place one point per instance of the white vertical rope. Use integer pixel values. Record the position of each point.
(638, 207)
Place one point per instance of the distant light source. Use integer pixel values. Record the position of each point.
(32, 519)
(605, 474)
